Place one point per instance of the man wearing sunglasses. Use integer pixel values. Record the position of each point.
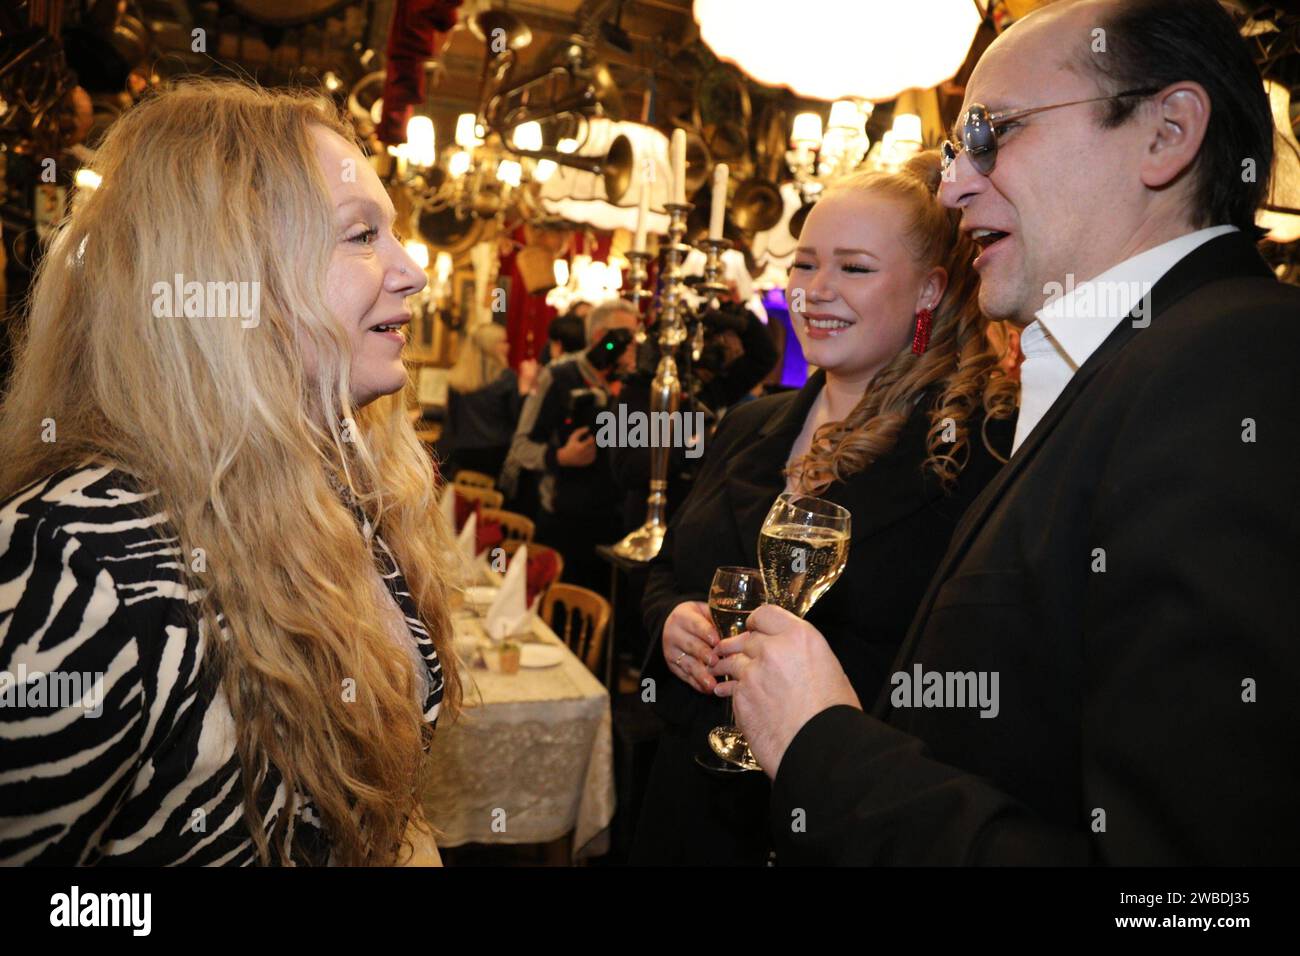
(1131, 576)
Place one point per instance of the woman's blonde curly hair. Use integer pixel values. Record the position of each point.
(958, 359)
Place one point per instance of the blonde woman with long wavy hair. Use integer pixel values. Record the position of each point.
(905, 421)
(215, 509)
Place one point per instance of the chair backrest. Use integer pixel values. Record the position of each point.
(580, 617)
(486, 497)
(514, 527)
(474, 479)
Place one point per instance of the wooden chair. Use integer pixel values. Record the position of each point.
(580, 617)
(514, 527)
(474, 479)
(486, 497)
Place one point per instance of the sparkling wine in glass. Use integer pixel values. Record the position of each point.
(735, 593)
(802, 549)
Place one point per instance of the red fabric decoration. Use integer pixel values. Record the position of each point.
(528, 317)
(540, 573)
(419, 30)
(464, 508)
(488, 534)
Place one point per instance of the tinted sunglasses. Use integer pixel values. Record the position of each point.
(979, 129)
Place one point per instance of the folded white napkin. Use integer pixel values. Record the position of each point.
(509, 612)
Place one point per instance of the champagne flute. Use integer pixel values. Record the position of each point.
(735, 592)
(802, 549)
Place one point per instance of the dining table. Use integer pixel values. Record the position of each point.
(530, 758)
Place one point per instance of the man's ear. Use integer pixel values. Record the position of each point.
(1177, 128)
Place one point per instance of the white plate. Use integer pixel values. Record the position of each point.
(540, 655)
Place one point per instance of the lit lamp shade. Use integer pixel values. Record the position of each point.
(833, 49)
(579, 196)
(1284, 190)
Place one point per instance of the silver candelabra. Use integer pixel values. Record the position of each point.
(675, 321)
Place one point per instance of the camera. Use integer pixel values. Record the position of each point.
(605, 354)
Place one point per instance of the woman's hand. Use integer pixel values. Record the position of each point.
(688, 641)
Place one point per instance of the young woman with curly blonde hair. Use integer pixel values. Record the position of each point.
(215, 509)
(905, 421)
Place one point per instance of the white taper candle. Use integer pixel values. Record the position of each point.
(679, 165)
(718, 211)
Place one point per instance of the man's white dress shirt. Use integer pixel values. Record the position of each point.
(1070, 328)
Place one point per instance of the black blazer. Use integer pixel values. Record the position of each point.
(902, 522)
(1123, 736)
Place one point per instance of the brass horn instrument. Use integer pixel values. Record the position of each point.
(615, 167)
(584, 87)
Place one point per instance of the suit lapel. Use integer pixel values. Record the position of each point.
(875, 498)
(1226, 257)
(754, 476)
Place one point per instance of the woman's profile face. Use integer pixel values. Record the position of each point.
(370, 275)
(855, 287)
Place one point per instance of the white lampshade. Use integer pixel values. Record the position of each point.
(567, 145)
(528, 136)
(458, 163)
(444, 266)
(806, 130)
(420, 141)
(417, 251)
(907, 128)
(1284, 190)
(579, 196)
(544, 170)
(846, 115)
(467, 133)
(834, 49)
(510, 172)
(561, 269)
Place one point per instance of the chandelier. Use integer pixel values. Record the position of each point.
(833, 49)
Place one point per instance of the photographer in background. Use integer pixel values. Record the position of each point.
(580, 503)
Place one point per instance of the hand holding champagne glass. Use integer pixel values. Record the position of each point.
(802, 549)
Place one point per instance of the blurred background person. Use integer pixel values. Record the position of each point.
(580, 504)
(484, 399)
(567, 335)
(524, 474)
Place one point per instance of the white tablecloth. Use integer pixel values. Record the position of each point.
(529, 760)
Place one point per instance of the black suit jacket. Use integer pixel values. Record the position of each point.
(902, 520)
(1126, 733)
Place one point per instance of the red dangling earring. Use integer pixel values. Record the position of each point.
(921, 340)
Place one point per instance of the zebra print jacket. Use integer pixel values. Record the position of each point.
(116, 743)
